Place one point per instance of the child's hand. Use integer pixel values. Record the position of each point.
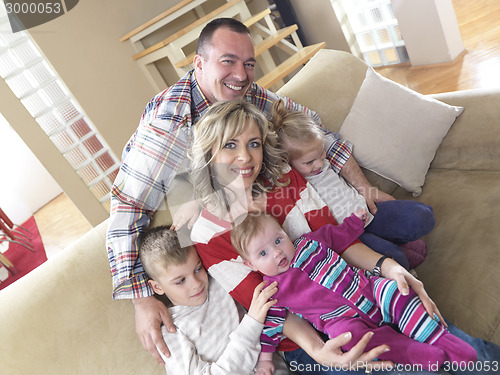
(265, 364)
(260, 301)
(362, 214)
(264, 368)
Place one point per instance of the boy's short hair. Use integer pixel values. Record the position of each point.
(244, 231)
(160, 247)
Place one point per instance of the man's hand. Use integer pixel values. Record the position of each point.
(150, 313)
(260, 301)
(353, 174)
(373, 196)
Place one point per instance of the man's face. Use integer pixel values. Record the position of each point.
(226, 69)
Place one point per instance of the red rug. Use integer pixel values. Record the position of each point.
(25, 260)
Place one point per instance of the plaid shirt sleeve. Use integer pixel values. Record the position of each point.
(149, 164)
(337, 150)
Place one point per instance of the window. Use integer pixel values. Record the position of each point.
(371, 30)
(33, 80)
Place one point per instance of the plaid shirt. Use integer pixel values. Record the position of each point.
(151, 160)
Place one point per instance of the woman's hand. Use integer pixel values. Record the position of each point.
(150, 313)
(187, 213)
(330, 353)
(260, 302)
(356, 358)
(392, 270)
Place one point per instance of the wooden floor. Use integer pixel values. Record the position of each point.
(479, 67)
(60, 223)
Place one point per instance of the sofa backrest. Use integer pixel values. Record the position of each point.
(328, 84)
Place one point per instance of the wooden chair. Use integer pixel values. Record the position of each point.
(14, 233)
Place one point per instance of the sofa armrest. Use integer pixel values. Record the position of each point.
(473, 142)
(60, 318)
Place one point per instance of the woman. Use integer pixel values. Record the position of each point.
(237, 168)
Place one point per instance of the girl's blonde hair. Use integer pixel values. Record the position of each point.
(295, 130)
(222, 122)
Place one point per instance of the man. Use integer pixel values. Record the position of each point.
(156, 153)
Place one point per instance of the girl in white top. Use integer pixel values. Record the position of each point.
(393, 230)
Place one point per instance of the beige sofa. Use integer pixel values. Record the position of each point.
(60, 319)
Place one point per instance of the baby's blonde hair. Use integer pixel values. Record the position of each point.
(222, 122)
(243, 232)
(296, 130)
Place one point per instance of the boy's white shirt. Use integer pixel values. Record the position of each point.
(210, 339)
(341, 198)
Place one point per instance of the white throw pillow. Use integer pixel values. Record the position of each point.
(396, 131)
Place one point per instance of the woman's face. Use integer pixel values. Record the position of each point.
(239, 161)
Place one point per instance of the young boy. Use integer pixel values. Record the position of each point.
(210, 337)
(315, 282)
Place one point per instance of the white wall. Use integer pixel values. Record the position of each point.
(320, 24)
(430, 30)
(25, 186)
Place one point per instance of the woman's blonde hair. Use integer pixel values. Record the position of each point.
(295, 130)
(222, 122)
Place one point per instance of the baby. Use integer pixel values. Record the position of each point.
(315, 282)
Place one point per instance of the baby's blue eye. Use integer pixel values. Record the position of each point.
(263, 253)
(277, 241)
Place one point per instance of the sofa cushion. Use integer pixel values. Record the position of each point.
(461, 271)
(396, 131)
(61, 318)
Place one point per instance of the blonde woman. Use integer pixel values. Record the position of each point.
(237, 168)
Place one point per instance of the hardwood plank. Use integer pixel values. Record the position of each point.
(290, 65)
(60, 223)
(274, 39)
(477, 68)
(185, 30)
(153, 20)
